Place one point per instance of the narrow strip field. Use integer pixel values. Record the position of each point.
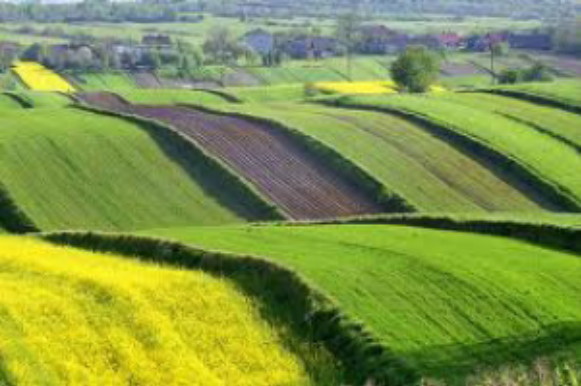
(171, 97)
(561, 124)
(69, 169)
(405, 158)
(548, 159)
(563, 91)
(8, 102)
(289, 176)
(446, 302)
(71, 317)
(40, 99)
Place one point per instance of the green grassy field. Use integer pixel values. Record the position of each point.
(169, 97)
(556, 162)
(40, 99)
(90, 171)
(103, 82)
(427, 172)
(265, 94)
(555, 121)
(565, 90)
(76, 317)
(9, 103)
(446, 302)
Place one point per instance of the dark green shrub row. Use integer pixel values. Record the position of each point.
(310, 313)
(12, 218)
(548, 235)
(253, 204)
(535, 98)
(355, 175)
(500, 163)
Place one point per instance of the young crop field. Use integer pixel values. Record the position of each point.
(566, 91)
(549, 159)
(170, 97)
(103, 82)
(8, 102)
(266, 94)
(555, 122)
(290, 177)
(94, 172)
(40, 99)
(74, 317)
(448, 303)
(39, 78)
(405, 158)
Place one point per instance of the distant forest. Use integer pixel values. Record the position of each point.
(149, 11)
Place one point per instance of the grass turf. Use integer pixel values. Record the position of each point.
(76, 317)
(69, 169)
(446, 302)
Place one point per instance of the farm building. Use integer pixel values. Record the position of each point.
(378, 39)
(532, 41)
(260, 41)
(315, 47)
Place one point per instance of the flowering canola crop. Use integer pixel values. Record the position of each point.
(363, 88)
(71, 317)
(39, 78)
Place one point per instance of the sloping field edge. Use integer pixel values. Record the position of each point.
(344, 167)
(23, 102)
(535, 98)
(363, 356)
(222, 94)
(263, 208)
(12, 218)
(560, 237)
(556, 195)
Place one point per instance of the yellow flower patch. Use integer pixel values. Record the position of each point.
(39, 78)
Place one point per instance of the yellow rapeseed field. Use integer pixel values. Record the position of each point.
(71, 317)
(39, 78)
(362, 88)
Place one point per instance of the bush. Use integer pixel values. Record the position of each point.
(416, 69)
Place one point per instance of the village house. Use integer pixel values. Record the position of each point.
(311, 47)
(380, 40)
(451, 41)
(260, 41)
(531, 41)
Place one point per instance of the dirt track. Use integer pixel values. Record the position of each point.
(292, 178)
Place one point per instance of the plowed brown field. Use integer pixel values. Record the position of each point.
(281, 170)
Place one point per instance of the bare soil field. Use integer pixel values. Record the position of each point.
(280, 169)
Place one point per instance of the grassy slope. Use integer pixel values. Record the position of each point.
(9, 103)
(75, 317)
(285, 93)
(548, 157)
(568, 91)
(39, 99)
(427, 294)
(430, 174)
(167, 97)
(560, 123)
(106, 81)
(90, 171)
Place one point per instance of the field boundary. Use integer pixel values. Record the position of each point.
(344, 167)
(497, 161)
(311, 312)
(222, 94)
(560, 237)
(262, 207)
(25, 103)
(535, 98)
(12, 218)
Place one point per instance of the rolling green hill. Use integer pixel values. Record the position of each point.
(562, 124)
(404, 158)
(72, 317)
(446, 302)
(69, 169)
(547, 158)
(566, 91)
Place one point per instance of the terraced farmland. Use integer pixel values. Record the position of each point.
(445, 302)
(103, 82)
(564, 91)
(280, 169)
(405, 158)
(548, 160)
(169, 97)
(69, 169)
(76, 317)
(8, 102)
(39, 99)
(555, 122)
